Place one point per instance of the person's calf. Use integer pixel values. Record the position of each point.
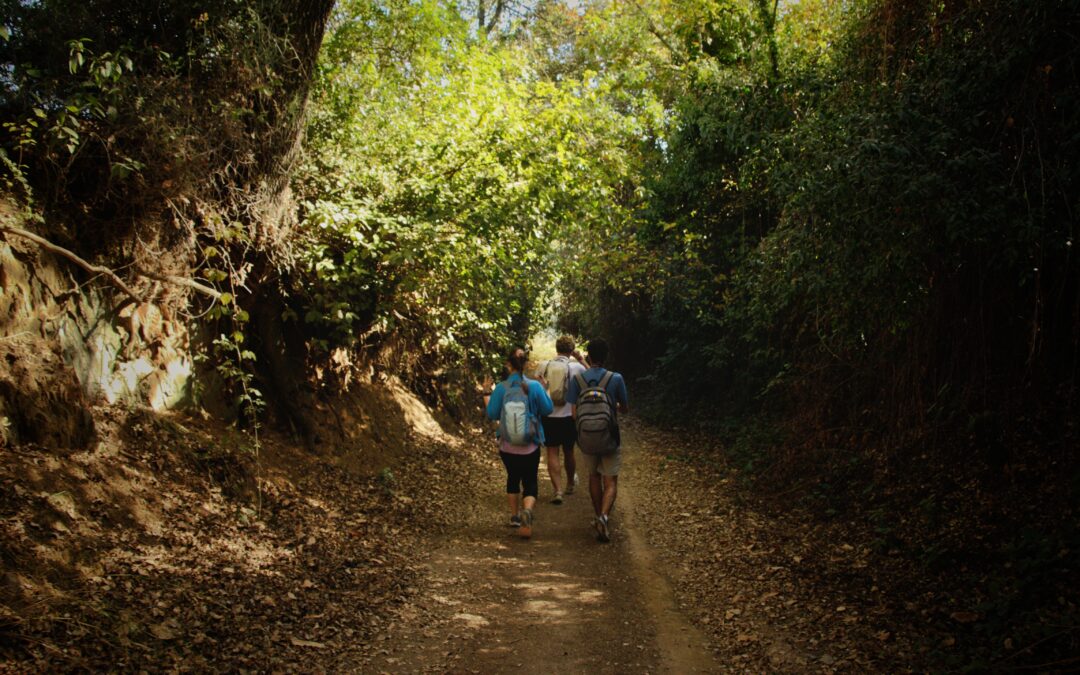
(611, 485)
(571, 468)
(596, 492)
(554, 469)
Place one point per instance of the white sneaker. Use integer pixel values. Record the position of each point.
(603, 533)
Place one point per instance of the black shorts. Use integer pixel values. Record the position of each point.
(559, 432)
(521, 473)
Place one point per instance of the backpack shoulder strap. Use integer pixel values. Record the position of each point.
(605, 379)
(524, 384)
(580, 379)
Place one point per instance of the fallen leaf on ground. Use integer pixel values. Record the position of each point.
(306, 643)
(166, 630)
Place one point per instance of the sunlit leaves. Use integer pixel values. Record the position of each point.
(440, 175)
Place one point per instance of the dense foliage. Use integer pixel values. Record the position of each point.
(123, 113)
(855, 267)
(862, 223)
(446, 174)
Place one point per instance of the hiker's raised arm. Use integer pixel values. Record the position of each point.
(572, 390)
(493, 403)
(538, 374)
(542, 401)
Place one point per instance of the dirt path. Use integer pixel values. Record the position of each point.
(562, 602)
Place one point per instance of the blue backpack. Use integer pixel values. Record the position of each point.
(517, 426)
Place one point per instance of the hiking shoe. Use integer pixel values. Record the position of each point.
(515, 521)
(557, 499)
(603, 533)
(525, 531)
(570, 486)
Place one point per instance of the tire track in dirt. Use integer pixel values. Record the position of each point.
(562, 602)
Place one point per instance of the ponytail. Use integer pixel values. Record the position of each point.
(516, 357)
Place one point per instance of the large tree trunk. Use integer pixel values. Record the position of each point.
(302, 24)
(281, 350)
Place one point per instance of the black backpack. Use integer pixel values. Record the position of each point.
(597, 423)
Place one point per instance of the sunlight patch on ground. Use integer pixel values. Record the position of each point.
(533, 588)
(511, 562)
(552, 575)
(471, 620)
(589, 597)
(562, 592)
(545, 608)
(239, 553)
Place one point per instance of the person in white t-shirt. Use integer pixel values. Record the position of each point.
(559, 429)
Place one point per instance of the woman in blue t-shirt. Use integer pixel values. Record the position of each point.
(522, 461)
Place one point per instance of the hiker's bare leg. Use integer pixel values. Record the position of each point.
(554, 468)
(529, 502)
(596, 491)
(571, 464)
(512, 502)
(611, 484)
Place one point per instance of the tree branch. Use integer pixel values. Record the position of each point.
(499, 6)
(108, 273)
(61, 251)
(180, 281)
(676, 55)
(768, 20)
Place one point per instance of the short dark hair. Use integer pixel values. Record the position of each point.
(598, 350)
(564, 345)
(517, 357)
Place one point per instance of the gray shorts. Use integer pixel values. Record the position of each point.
(605, 465)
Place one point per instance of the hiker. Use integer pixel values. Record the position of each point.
(517, 404)
(597, 396)
(559, 429)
